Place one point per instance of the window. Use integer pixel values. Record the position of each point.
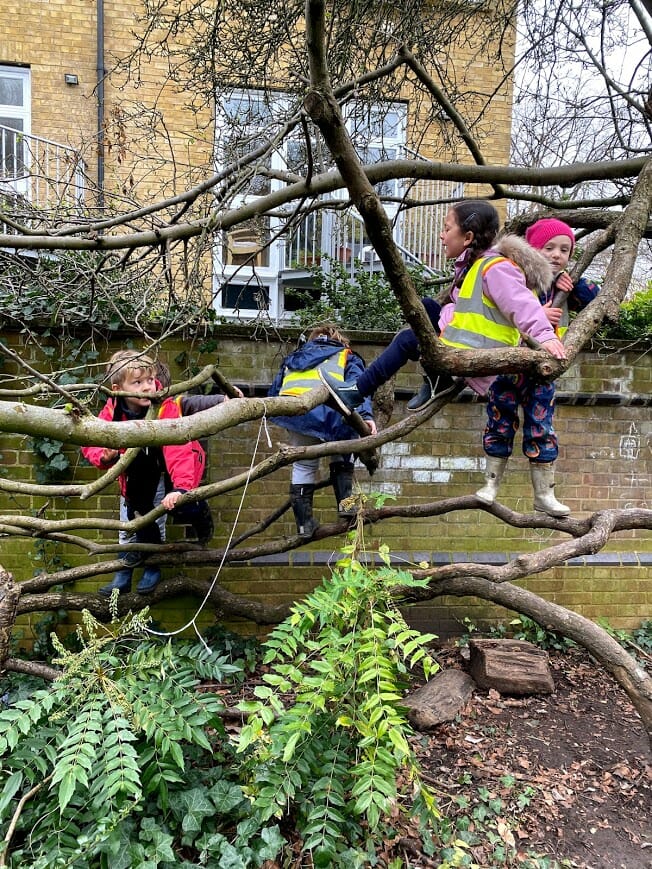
(378, 133)
(14, 124)
(257, 262)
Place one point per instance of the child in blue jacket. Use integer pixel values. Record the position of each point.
(326, 346)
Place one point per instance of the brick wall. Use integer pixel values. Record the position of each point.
(605, 462)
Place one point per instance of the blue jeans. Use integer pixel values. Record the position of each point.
(404, 347)
(506, 393)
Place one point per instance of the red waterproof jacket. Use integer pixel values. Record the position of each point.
(184, 463)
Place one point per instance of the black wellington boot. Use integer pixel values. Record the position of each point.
(342, 483)
(301, 496)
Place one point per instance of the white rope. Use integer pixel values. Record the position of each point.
(193, 621)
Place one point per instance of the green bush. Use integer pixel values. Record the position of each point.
(124, 763)
(635, 319)
(336, 757)
(366, 303)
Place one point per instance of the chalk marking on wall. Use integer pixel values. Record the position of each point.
(630, 444)
(604, 453)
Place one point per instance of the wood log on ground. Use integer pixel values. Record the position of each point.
(510, 666)
(440, 699)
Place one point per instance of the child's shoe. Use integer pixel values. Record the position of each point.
(432, 389)
(150, 579)
(301, 497)
(342, 483)
(121, 581)
(198, 514)
(202, 523)
(345, 392)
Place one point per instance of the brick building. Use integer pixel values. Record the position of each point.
(80, 128)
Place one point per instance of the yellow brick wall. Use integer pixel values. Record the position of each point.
(54, 37)
(605, 462)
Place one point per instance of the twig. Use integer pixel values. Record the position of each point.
(16, 816)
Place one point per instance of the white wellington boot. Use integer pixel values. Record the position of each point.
(494, 470)
(543, 483)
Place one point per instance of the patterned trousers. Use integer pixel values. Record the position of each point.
(506, 394)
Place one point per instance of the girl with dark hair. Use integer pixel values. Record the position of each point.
(492, 303)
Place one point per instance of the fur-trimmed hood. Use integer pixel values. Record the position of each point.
(538, 271)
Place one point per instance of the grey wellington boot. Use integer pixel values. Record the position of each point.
(301, 496)
(493, 474)
(543, 483)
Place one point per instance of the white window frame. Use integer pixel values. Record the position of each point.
(21, 113)
(262, 275)
(268, 275)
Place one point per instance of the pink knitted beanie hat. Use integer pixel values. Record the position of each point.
(540, 233)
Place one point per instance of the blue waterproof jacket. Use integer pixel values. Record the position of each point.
(322, 422)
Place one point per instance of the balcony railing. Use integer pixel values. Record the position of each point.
(341, 234)
(40, 174)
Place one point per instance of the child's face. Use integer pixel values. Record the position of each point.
(137, 380)
(453, 237)
(557, 251)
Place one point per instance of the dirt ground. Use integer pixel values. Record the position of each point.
(582, 750)
(566, 777)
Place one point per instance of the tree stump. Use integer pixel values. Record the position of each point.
(510, 666)
(439, 700)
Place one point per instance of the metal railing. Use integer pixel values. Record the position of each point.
(340, 235)
(43, 174)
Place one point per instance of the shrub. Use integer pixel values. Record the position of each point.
(635, 319)
(124, 763)
(365, 303)
(336, 757)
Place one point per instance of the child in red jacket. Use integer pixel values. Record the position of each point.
(173, 469)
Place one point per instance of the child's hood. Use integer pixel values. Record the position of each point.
(538, 271)
(312, 353)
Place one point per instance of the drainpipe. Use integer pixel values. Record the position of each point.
(101, 72)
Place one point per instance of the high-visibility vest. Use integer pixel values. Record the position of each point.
(478, 324)
(298, 382)
(562, 327)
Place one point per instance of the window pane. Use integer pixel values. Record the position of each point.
(245, 297)
(14, 123)
(11, 91)
(12, 148)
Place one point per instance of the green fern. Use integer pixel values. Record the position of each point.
(109, 742)
(338, 757)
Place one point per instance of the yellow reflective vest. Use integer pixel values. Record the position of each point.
(478, 324)
(298, 382)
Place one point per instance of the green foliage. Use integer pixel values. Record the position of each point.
(634, 320)
(365, 303)
(336, 757)
(123, 763)
(520, 628)
(637, 642)
(486, 821)
(106, 295)
(53, 463)
(243, 652)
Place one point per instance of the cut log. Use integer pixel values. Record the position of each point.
(510, 666)
(439, 700)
